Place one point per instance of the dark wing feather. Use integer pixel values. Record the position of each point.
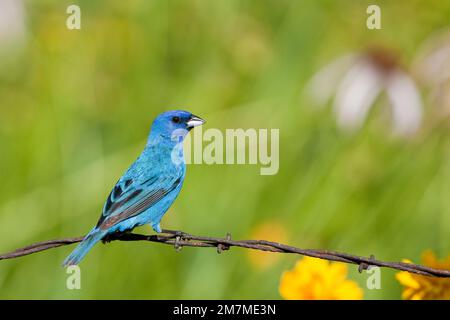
(127, 200)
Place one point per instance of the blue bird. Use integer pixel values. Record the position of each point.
(149, 186)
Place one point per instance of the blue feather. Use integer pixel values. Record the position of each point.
(83, 248)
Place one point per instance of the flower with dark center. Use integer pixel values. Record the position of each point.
(357, 80)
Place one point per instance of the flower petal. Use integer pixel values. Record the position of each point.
(356, 94)
(407, 280)
(324, 83)
(405, 101)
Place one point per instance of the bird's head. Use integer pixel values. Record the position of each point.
(174, 125)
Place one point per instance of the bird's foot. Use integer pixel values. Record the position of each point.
(179, 236)
(175, 233)
(113, 236)
(107, 239)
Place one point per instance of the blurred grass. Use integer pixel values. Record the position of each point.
(77, 105)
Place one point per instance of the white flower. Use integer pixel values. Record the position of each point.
(12, 23)
(432, 67)
(357, 80)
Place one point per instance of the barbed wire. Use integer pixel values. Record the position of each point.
(180, 239)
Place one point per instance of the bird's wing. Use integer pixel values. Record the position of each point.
(128, 198)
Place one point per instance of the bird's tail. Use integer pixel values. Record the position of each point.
(83, 248)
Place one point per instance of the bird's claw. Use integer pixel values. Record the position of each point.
(113, 236)
(106, 239)
(175, 233)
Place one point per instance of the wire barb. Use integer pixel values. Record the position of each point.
(365, 266)
(180, 239)
(177, 245)
(223, 247)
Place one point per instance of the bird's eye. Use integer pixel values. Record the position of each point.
(176, 119)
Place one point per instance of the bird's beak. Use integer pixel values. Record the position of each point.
(194, 121)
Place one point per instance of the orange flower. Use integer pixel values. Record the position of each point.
(317, 279)
(417, 287)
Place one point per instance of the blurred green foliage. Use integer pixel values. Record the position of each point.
(76, 107)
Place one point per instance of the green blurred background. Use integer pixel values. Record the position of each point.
(76, 107)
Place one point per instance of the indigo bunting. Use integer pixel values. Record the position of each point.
(149, 186)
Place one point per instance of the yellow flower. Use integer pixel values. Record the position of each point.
(271, 230)
(417, 287)
(317, 279)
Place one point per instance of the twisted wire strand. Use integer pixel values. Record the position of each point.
(180, 239)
